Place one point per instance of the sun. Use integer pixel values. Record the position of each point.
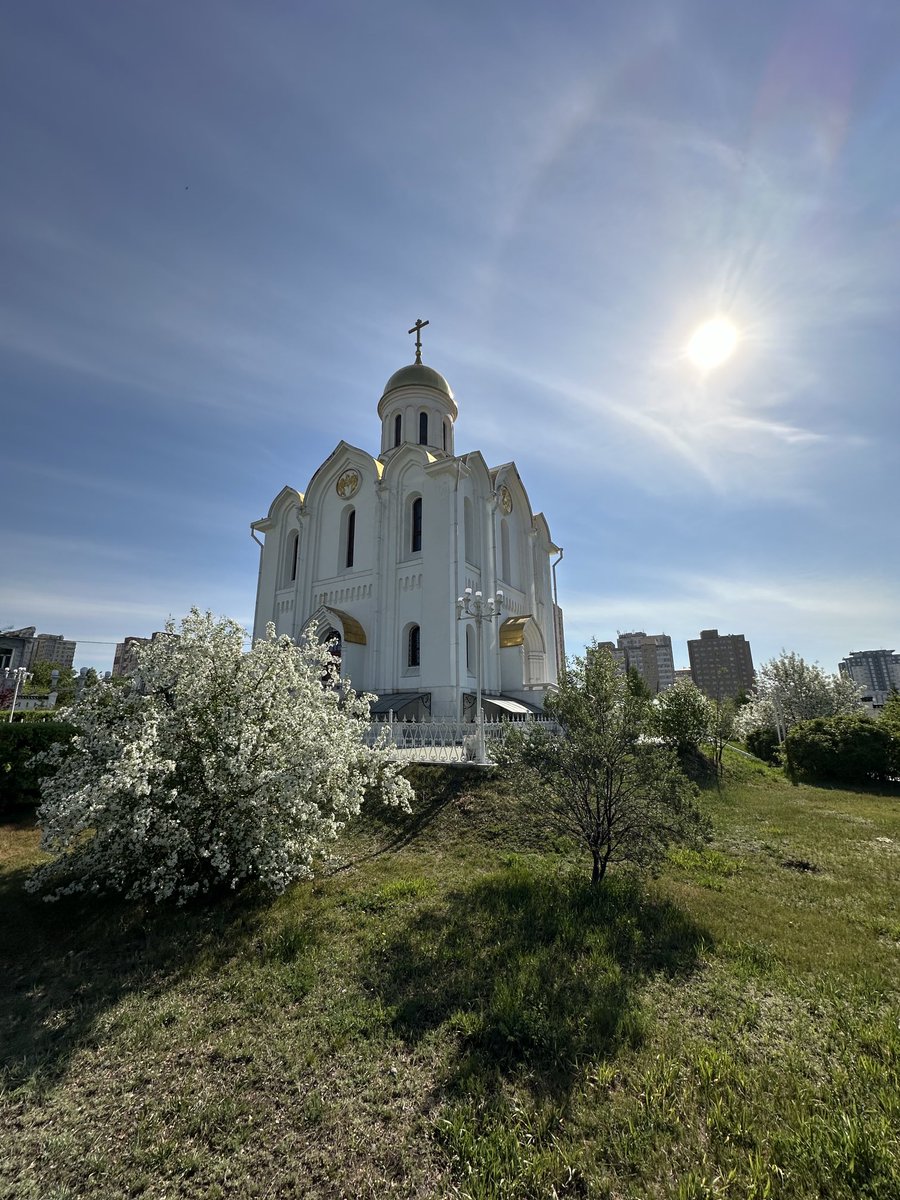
(712, 343)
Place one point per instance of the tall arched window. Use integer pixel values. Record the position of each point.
(504, 551)
(423, 428)
(471, 550)
(291, 558)
(415, 542)
(470, 648)
(413, 646)
(351, 537)
(444, 434)
(398, 428)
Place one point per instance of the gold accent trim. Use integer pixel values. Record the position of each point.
(353, 631)
(348, 484)
(512, 631)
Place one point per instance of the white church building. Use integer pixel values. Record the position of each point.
(374, 553)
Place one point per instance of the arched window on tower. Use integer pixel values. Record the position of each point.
(398, 429)
(351, 538)
(471, 548)
(413, 646)
(423, 428)
(444, 434)
(470, 648)
(415, 541)
(291, 558)
(504, 551)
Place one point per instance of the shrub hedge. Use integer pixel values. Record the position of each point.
(845, 749)
(20, 777)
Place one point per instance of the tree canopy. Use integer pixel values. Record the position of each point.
(600, 777)
(220, 768)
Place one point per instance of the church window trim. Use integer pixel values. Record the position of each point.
(292, 558)
(398, 429)
(414, 647)
(415, 526)
(423, 428)
(351, 539)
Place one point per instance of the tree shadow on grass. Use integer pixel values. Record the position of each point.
(536, 973)
(388, 829)
(69, 962)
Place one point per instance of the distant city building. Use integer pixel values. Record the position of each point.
(25, 647)
(721, 665)
(125, 661)
(683, 675)
(876, 671)
(649, 654)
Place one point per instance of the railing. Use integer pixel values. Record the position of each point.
(451, 741)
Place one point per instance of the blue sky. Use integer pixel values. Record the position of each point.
(218, 220)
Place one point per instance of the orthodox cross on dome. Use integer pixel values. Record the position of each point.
(417, 330)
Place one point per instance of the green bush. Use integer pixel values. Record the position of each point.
(20, 778)
(36, 715)
(844, 749)
(764, 744)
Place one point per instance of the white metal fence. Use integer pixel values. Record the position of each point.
(437, 741)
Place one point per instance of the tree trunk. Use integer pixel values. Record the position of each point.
(596, 874)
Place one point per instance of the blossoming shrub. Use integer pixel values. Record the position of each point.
(221, 768)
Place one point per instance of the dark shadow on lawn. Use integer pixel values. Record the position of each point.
(536, 973)
(68, 962)
(437, 789)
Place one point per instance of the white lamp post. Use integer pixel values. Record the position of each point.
(20, 675)
(473, 607)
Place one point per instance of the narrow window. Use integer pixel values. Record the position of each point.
(504, 551)
(351, 537)
(469, 531)
(398, 428)
(444, 434)
(412, 648)
(416, 541)
(470, 651)
(295, 548)
(423, 428)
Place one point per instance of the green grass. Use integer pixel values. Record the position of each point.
(449, 1011)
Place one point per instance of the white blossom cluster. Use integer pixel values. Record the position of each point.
(218, 768)
(788, 689)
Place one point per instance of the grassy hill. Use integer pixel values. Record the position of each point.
(450, 1012)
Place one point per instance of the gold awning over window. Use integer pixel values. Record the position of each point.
(512, 631)
(353, 631)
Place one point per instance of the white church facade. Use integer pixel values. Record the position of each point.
(373, 555)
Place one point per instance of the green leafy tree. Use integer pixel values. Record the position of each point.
(636, 684)
(599, 778)
(42, 681)
(682, 716)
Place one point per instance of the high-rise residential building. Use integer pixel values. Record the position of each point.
(25, 647)
(125, 661)
(649, 654)
(721, 665)
(874, 670)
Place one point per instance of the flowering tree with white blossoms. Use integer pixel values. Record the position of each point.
(219, 768)
(788, 689)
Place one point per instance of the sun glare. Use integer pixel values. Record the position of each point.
(712, 343)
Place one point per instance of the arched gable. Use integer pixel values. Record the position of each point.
(287, 499)
(406, 460)
(343, 459)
